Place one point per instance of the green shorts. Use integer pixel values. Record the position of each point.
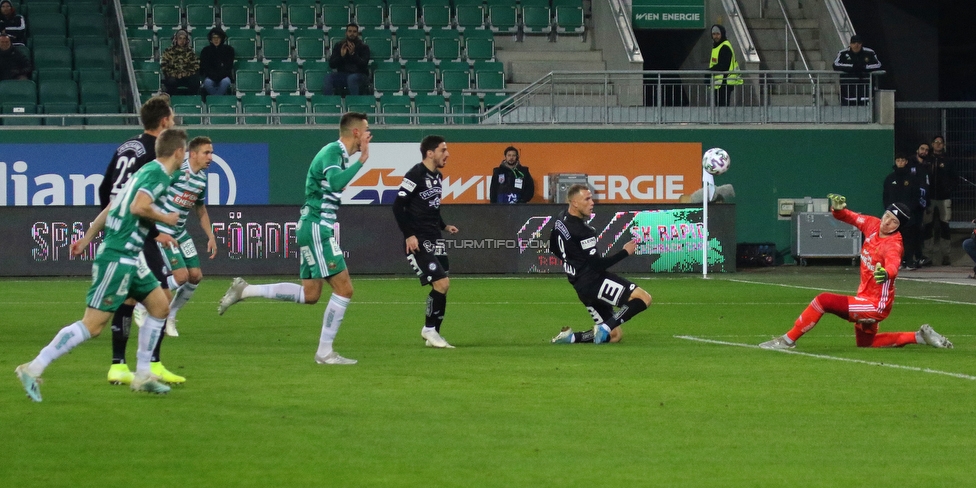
(183, 255)
(319, 254)
(115, 278)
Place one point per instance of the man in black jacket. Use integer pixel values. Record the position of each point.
(856, 63)
(510, 181)
(902, 186)
(939, 210)
(722, 60)
(13, 64)
(350, 60)
(599, 290)
(217, 63)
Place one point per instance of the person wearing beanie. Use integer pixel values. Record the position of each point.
(855, 64)
(722, 60)
(180, 66)
(12, 24)
(880, 257)
(217, 63)
(903, 186)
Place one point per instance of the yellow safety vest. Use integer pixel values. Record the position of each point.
(732, 78)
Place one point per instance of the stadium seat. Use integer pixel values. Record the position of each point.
(310, 48)
(313, 76)
(361, 103)
(85, 75)
(81, 41)
(102, 108)
(502, 17)
(479, 48)
(492, 99)
(380, 44)
(52, 57)
(275, 45)
(469, 16)
(186, 105)
(94, 57)
(297, 112)
(421, 77)
(105, 91)
(166, 16)
(250, 80)
(569, 19)
(57, 91)
(489, 75)
(141, 49)
(395, 104)
(436, 17)
(244, 44)
(369, 15)
(61, 108)
(302, 17)
(326, 104)
(387, 77)
(430, 104)
(86, 24)
(234, 16)
(455, 76)
(284, 81)
(445, 45)
(54, 74)
(48, 24)
(20, 109)
(403, 16)
(536, 20)
(200, 17)
(411, 45)
(18, 91)
(135, 15)
(268, 16)
(48, 41)
(222, 104)
(335, 17)
(256, 104)
(147, 80)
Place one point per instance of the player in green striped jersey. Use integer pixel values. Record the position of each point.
(188, 191)
(119, 271)
(320, 256)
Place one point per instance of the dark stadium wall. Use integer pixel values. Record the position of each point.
(767, 162)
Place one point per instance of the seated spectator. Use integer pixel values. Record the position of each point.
(217, 63)
(12, 24)
(180, 66)
(350, 60)
(13, 64)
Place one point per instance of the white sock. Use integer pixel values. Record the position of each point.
(428, 329)
(65, 340)
(288, 292)
(180, 297)
(331, 320)
(140, 307)
(148, 336)
(171, 281)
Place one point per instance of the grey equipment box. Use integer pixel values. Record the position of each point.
(820, 235)
(559, 184)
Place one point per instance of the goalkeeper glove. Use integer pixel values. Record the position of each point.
(837, 202)
(880, 275)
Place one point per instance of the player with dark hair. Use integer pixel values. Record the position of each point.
(880, 257)
(156, 116)
(417, 209)
(189, 190)
(599, 290)
(319, 253)
(118, 273)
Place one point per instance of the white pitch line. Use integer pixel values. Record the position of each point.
(834, 358)
(950, 302)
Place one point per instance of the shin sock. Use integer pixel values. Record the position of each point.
(436, 303)
(65, 340)
(121, 323)
(181, 295)
(288, 292)
(334, 312)
(149, 335)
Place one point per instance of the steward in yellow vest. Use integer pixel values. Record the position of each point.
(723, 60)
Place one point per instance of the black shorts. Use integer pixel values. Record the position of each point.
(606, 289)
(156, 262)
(429, 261)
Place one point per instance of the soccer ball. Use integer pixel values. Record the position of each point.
(716, 161)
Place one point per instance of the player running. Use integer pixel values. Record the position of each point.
(417, 209)
(320, 255)
(880, 257)
(118, 272)
(188, 190)
(599, 290)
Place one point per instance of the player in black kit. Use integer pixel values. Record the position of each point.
(418, 213)
(156, 116)
(599, 290)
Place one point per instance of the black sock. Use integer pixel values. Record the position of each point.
(155, 356)
(436, 303)
(631, 308)
(585, 336)
(121, 322)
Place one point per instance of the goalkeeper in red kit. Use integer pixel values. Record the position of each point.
(880, 257)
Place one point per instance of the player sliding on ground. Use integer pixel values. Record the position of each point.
(599, 290)
(880, 258)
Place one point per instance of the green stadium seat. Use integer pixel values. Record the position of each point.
(268, 16)
(421, 77)
(284, 81)
(141, 49)
(503, 18)
(361, 103)
(250, 80)
(147, 80)
(569, 20)
(313, 76)
(395, 104)
(380, 44)
(244, 44)
(54, 74)
(403, 16)
(536, 20)
(326, 104)
(302, 17)
(310, 48)
(445, 45)
(86, 24)
(102, 108)
(275, 44)
(493, 99)
(479, 48)
(335, 17)
(20, 109)
(99, 57)
(200, 17)
(61, 108)
(166, 16)
(369, 16)
(298, 112)
(18, 91)
(234, 16)
(135, 15)
(185, 106)
(411, 46)
(489, 75)
(85, 75)
(48, 24)
(256, 104)
(81, 41)
(430, 104)
(52, 57)
(469, 17)
(455, 76)
(103, 91)
(49, 41)
(436, 16)
(387, 77)
(57, 91)
(218, 105)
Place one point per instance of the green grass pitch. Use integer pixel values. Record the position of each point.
(505, 408)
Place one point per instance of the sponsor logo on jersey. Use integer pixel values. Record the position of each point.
(588, 243)
(408, 185)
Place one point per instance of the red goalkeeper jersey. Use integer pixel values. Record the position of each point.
(876, 250)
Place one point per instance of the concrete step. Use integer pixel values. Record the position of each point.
(796, 9)
(550, 56)
(778, 23)
(540, 43)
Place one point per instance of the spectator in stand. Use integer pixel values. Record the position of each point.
(13, 64)
(902, 186)
(856, 63)
(350, 62)
(920, 168)
(939, 210)
(510, 181)
(12, 24)
(969, 245)
(180, 66)
(217, 63)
